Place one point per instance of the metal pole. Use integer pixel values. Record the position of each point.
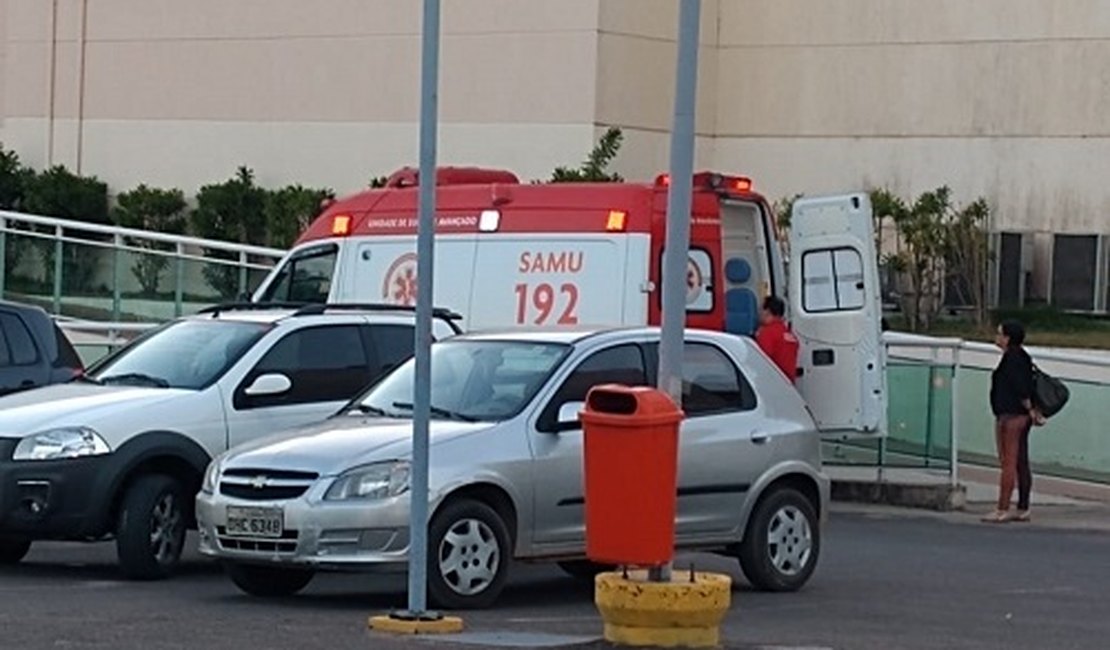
(117, 259)
(677, 244)
(59, 251)
(179, 279)
(954, 386)
(3, 256)
(425, 252)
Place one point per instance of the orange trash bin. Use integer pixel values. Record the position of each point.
(630, 457)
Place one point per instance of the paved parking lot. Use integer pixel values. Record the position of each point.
(888, 579)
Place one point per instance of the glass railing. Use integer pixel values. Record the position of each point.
(104, 273)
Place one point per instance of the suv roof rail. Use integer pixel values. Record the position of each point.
(250, 306)
(319, 308)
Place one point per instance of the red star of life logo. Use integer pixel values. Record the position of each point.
(399, 286)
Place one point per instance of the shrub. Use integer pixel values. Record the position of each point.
(57, 192)
(234, 210)
(152, 209)
(290, 210)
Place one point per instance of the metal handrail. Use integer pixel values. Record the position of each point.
(165, 238)
(913, 341)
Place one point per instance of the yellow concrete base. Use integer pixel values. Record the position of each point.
(675, 614)
(445, 625)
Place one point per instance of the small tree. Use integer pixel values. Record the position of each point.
(156, 210)
(13, 184)
(13, 179)
(920, 262)
(290, 210)
(233, 211)
(593, 169)
(57, 192)
(968, 255)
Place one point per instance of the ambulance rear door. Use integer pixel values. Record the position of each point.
(835, 311)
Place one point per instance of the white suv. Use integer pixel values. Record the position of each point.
(120, 452)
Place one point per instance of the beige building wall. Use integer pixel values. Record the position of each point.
(1000, 98)
(325, 93)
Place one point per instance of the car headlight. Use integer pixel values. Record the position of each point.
(212, 476)
(66, 442)
(376, 481)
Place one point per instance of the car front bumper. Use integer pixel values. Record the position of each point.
(54, 499)
(355, 535)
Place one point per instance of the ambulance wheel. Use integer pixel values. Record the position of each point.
(267, 581)
(584, 569)
(782, 542)
(12, 550)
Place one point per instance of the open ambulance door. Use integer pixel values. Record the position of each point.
(835, 310)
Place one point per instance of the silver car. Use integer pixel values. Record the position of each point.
(506, 468)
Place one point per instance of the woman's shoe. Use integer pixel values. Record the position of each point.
(1022, 515)
(997, 517)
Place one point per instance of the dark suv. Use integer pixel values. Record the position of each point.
(33, 350)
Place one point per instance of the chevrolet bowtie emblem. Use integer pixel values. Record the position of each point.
(259, 482)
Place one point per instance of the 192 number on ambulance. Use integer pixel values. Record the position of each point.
(539, 303)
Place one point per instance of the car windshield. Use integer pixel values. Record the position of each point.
(186, 354)
(471, 380)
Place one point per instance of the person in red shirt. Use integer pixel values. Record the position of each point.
(775, 338)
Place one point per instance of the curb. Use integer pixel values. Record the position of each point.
(929, 496)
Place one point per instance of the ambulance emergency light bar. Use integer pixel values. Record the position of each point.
(713, 181)
(488, 221)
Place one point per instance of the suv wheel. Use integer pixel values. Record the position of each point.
(13, 549)
(468, 556)
(782, 542)
(150, 533)
(266, 581)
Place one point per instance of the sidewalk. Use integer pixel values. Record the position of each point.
(1055, 502)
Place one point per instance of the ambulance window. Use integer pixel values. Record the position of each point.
(304, 278)
(832, 280)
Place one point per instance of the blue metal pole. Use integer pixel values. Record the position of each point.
(678, 211)
(425, 253)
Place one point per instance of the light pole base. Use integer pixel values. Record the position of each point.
(679, 613)
(405, 622)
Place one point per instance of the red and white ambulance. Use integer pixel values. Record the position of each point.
(580, 254)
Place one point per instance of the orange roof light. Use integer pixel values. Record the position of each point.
(742, 184)
(616, 222)
(341, 225)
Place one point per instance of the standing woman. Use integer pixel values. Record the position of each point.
(1012, 405)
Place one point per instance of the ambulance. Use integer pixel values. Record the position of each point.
(513, 254)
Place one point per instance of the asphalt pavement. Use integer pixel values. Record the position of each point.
(887, 579)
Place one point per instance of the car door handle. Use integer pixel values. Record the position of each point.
(27, 383)
(759, 437)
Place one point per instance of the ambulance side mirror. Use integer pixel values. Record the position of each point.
(568, 416)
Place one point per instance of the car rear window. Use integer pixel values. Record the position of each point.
(67, 355)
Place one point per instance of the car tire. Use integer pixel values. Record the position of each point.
(150, 531)
(584, 570)
(782, 542)
(267, 581)
(469, 552)
(13, 549)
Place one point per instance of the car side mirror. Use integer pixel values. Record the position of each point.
(273, 383)
(568, 416)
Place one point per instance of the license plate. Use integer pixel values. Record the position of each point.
(254, 522)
